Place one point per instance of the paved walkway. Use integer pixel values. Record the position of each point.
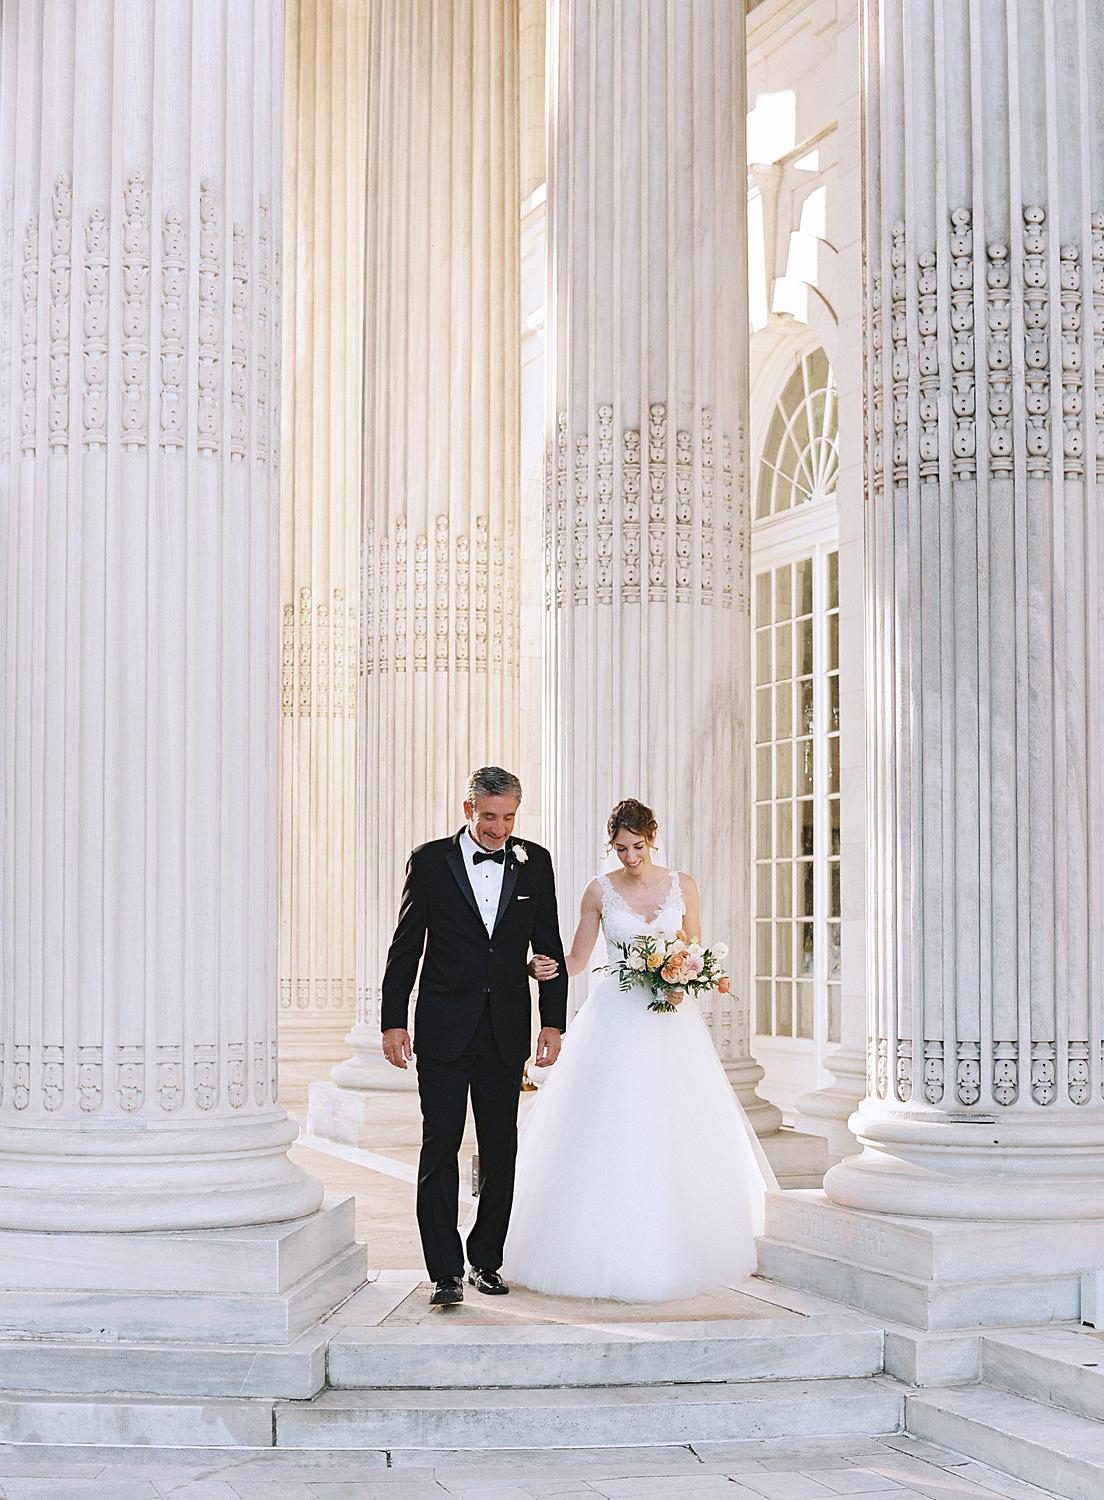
(820, 1469)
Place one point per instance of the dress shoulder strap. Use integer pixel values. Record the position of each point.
(676, 890)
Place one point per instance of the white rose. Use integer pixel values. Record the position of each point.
(521, 853)
(720, 951)
(636, 961)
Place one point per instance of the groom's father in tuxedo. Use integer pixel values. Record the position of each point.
(473, 908)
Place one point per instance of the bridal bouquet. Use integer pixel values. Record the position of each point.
(671, 967)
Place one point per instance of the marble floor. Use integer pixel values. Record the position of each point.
(896, 1468)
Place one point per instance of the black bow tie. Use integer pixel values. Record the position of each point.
(499, 857)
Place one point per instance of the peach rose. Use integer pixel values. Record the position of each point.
(723, 985)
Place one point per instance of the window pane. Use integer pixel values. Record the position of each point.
(784, 888)
(763, 656)
(805, 824)
(783, 998)
(804, 648)
(763, 714)
(763, 873)
(833, 1012)
(783, 708)
(805, 707)
(834, 889)
(763, 948)
(783, 769)
(763, 1006)
(804, 571)
(833, 701)
(833, 763)
(763, 842)
(805, 948)
(833, 825)
(785, 829)
(833, 642)
(783, 652)
(762, 773)
(804, 768)
(805, 1008)
(806, 886)
(762, 599)
(833, 580)
(783, 949)
(834, 954)
(783, 593)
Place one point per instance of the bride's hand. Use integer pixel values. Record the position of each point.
(543, 968)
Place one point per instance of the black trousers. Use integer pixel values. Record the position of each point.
(443, 1089)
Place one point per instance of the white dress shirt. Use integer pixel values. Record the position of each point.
(486, 880)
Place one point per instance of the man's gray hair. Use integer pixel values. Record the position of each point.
(492, 781)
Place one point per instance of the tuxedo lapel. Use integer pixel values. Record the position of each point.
(454, 855)
(509, 881)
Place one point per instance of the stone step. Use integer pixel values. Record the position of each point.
(1056, 1366)
(888, 1292)
(132, 1421)
(610, 1354)
(1060, 1452)
(295, 1371)
(626, 1416)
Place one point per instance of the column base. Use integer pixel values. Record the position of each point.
(125, 1174)
(370, 1119)
(368, 1068)
(264, 1284)
(745, 1074)
(313, 1038)
(922, 1162)
(826, 1111)
(799, 1160)
(927, 1273)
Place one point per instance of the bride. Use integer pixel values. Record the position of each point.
(638, 1176)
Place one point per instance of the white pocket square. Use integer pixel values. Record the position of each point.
(525, 898)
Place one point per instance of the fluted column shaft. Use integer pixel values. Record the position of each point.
(985, 466)
(139, 422)
(321, 505)
(646, 487)
(440, 537)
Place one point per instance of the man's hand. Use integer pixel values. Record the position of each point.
(548, 1047)
(396, 1047)
(542, 968)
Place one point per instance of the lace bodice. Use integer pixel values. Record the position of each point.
(620, 923)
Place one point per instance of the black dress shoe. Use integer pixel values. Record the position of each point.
(448, 1292)
(489, 1282)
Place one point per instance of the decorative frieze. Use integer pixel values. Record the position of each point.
(472, 583)
(136, 291)
(600, 569)
(61, 266)
(28, 405)
(964, 394)
(998, 317)
(239, 346)
(7, 249)
(95, 329)
(208, 375)
(173, 328)
(319, 656)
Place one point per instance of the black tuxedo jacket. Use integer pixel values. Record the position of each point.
(464, 969)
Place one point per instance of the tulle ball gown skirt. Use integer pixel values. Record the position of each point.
(636, 1177)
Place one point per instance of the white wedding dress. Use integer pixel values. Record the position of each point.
(638, 1176)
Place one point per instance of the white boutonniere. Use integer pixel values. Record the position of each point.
(520, 853)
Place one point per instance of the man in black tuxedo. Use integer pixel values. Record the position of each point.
(474, 905)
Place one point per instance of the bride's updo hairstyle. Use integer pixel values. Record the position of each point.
(633, 817)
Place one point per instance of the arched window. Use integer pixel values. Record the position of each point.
(800, 458)
(796, 769)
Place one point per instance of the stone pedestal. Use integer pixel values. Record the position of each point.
(931, 1274)
(139, 463)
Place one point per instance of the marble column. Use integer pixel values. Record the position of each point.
(440, 541)
(326, 71)
(985, 550)
(140, 164)
(646, 511)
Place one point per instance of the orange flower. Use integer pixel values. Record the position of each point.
(655, 960)
(723, 985)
